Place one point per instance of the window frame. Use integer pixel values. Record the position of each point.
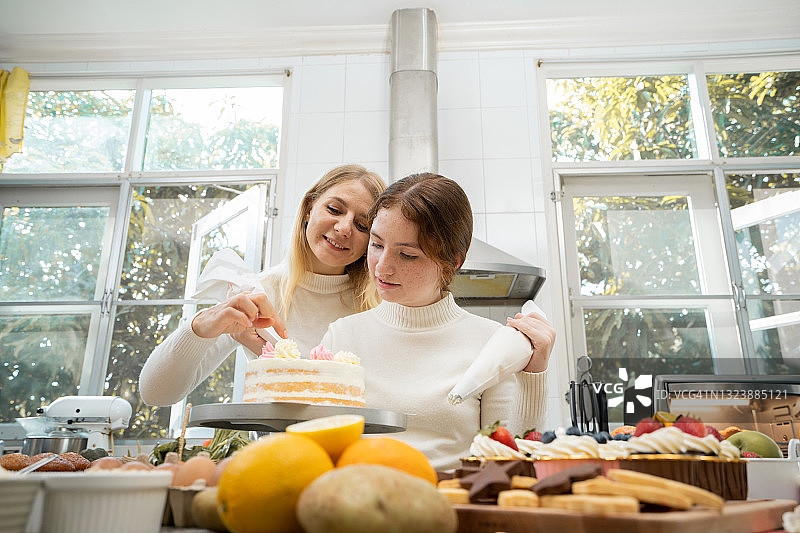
(708, 160)
(93, 373)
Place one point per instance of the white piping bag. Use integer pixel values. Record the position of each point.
(225, 275)
(505, 353)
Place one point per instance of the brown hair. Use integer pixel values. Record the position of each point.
(440, 209)
(299, 257)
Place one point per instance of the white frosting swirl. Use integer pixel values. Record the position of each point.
(287, 348)
(728, 450)
(673, 440)
(485, 446)
(347, 357)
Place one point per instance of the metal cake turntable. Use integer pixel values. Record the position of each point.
(276, 416)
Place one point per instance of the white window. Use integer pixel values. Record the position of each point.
(124, 189)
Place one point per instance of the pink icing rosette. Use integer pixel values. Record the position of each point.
(268, 350)
(320, 353)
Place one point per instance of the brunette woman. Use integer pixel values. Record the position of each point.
(417, 342)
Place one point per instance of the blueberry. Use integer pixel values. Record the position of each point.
(573, 431)
(618, 436)
(625, 436)
(600, 437)
(606, 434)
(548, 437)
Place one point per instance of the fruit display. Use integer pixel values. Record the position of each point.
(754, 444)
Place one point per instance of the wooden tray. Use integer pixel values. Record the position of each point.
(736, 517)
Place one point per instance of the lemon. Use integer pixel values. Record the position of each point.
(259, 489)
(334, 433)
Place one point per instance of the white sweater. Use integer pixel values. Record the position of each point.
(183, 360)
(413, 356)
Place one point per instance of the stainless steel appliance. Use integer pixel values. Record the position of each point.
(487, 273)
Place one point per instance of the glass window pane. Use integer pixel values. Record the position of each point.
(623, 247)
(618, 118)
(756, 114)
(137, 331)
(214, 128)
(775, 326)
(42, 360)
(625, 344)
(50, 253)
(74, 131)
(765, 209)
(160, 233)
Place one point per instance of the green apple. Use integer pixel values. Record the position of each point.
(756, 442)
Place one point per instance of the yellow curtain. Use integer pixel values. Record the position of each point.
(14, 87)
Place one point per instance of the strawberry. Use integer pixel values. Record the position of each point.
(711, 430)
(646, 425)
(532, 434)
(500, 434)
(751, 455)
(691, 426)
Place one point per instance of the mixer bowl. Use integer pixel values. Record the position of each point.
(60, 444)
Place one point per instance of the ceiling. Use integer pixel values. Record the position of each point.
(54, 30)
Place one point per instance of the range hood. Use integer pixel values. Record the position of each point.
(488, 273)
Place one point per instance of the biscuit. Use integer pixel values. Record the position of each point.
(517, 498)
(591, 503)
(522, 482)
(560, 482)
(449, 484)
(695, 494)
(14, 461)
(454, 495)
(643, 493)
(77, 460)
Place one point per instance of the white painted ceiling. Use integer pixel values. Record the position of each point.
(54, 30)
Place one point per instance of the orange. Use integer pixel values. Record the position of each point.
(259, 488)
(389, 452)
(334, 433)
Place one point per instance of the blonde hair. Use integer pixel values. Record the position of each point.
(299, 259)
(440, 209)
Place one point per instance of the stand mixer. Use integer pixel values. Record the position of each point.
(96, 415)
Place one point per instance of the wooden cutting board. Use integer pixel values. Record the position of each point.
(736, 517)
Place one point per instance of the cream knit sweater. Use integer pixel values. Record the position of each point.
(183, 360)
(412, 357)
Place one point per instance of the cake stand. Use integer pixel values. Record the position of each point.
(275, 416)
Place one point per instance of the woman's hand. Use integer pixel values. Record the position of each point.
(250, 339)
(237, 314)
(540, 333)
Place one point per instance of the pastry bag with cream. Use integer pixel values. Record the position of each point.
(505, 353)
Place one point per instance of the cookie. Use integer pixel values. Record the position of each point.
(486, 483)
(517, 498)
(695, 494)
(561, 482)
(77, 460)
(643, 493)
(449, 484)
(522, 482)
(14, 461)
(591, 503)
(455, 495)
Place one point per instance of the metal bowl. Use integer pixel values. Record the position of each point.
(56, 444)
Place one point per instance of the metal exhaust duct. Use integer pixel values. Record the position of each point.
(488, 273)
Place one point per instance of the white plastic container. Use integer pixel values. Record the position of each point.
(17, 494)
(88, 502)
(775, 478)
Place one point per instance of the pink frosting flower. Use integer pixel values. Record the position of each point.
(321, 353)
(268, 350)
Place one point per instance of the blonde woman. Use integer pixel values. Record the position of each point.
(323, 277)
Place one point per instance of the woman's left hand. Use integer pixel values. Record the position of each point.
(540, 333)
(250, 339)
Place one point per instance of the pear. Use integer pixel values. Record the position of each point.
(756, 442)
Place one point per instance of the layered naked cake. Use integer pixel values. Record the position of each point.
(281, 375)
